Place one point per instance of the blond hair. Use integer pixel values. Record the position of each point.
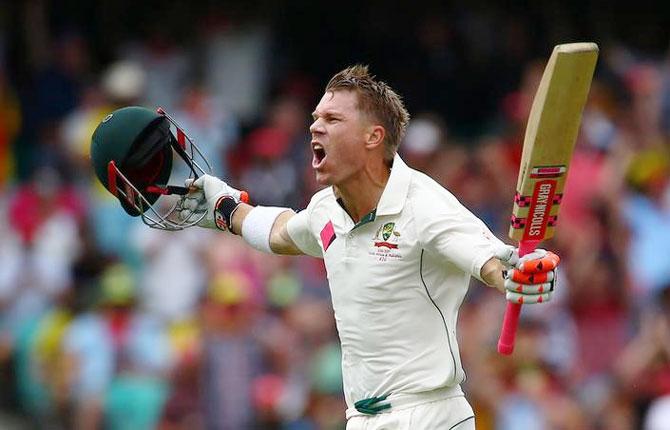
(376, 99)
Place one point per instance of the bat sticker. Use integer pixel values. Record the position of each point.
(548, 171)
(540, 206)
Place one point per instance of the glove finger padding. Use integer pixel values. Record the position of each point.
(524, 288)
(193, 215)
(528, 289)
(188, 215)
(198, 183)
(530, 278)
(195, 201)
(208, 191)
(528, 299)
(194, 207)
(538, 261)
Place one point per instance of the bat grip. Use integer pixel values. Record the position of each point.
(511, 320)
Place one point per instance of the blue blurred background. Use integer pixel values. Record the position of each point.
(105, 323)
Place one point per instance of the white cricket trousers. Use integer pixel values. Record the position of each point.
(454, 413)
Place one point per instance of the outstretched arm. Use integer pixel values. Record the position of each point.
(264, 228)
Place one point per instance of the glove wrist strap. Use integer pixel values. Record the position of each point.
(223, 213)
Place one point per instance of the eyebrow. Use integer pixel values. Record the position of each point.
(327, 113)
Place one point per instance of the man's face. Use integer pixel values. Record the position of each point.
(338, 134)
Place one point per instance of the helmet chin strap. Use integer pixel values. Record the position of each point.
(167, 190)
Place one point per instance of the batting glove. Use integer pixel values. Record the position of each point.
(531, 278)
(210, 194)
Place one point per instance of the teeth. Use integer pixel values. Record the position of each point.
(317, 146)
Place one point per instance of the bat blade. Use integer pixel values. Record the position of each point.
(551, 133)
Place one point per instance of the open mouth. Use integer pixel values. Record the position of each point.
(319, 155)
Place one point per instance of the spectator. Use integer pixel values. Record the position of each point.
(117, 359)
(213, 128)
(647, 214)
(231, 352)
(257, 352)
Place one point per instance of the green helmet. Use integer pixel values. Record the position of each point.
(132, 152)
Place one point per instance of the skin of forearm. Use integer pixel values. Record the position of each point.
(492, 274)
(239, 215)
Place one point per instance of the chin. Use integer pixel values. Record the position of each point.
(323, 179)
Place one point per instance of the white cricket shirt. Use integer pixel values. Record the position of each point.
(397, 279)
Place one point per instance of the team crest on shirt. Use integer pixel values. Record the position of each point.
(385, 243)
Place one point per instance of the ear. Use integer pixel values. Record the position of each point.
(375, 137)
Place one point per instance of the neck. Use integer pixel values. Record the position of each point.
(360, 194)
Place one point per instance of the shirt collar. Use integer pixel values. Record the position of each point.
(395, 193)
(391, 202)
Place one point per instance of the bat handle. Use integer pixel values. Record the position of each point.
(508, 331)
(511, 320)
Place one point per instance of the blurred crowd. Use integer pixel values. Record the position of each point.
(105, 322)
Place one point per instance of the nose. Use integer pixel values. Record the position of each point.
(316, 127)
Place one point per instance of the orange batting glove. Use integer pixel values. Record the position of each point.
(531, 278)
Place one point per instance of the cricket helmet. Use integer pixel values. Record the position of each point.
(133, 152)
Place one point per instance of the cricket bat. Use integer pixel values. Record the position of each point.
(551, 132)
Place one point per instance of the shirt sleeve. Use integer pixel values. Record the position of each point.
(299, 229)
(451, 231)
